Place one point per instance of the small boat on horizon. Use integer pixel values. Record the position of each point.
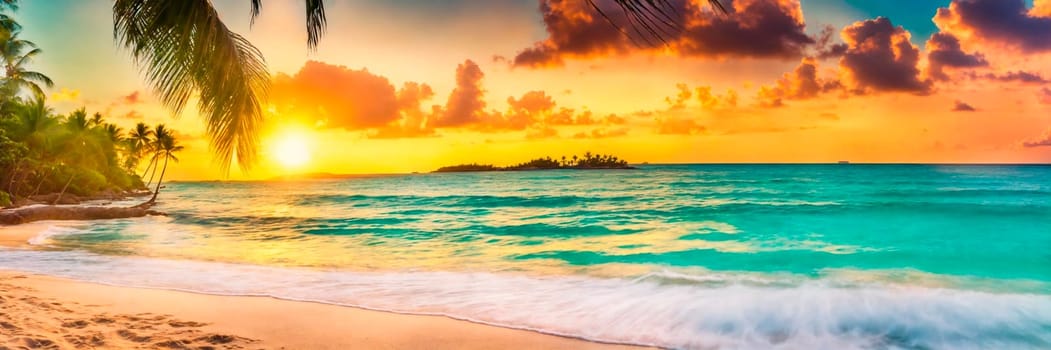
(844, 162)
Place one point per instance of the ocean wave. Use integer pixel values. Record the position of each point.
(691, 312)
(478, 200)
(44, 237)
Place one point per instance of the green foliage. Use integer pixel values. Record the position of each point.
(589, 161)
(466, 168)
(185, 50)
(41, 152)
(5, 199)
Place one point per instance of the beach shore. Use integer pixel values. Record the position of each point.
(54, 313)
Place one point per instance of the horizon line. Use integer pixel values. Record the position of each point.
(329, 176)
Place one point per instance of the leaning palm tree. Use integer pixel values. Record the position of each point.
(16, 55)
(138, 141)
(168, 147)
(183, 47)
(113, 136)
(156, 145)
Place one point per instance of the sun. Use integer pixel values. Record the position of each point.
(291, 150)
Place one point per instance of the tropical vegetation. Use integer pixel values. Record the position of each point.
(51, 157)
(588, 161)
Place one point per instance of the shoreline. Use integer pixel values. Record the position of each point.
(43, 309)
(148, 317)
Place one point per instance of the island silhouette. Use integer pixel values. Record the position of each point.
(588, 162)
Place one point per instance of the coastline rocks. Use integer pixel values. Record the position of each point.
(26, 215)
(71, 199)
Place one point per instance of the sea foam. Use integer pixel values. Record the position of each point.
(666, 310)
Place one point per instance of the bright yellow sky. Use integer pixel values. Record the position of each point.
(351, 110)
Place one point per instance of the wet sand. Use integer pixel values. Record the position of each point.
(42, 312)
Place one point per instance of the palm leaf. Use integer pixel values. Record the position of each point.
(316, 21)
(649, 20)
(37, 77)
(183, 48)
(28, 56)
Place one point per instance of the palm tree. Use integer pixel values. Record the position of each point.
(96, 119)
(138, 142)
(79, 146)
(16, 55)
(168, 147)
(36, 127)
(160, 133)
(113, 136)
(183, 47)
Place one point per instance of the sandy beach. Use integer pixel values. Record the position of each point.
(41, 312)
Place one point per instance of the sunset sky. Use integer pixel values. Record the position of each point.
(403, 86)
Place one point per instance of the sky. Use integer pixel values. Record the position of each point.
(409, 86)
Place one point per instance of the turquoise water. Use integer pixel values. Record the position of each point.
(684, 256)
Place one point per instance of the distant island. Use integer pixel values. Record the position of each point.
(587, 162)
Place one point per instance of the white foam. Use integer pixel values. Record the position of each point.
(721, 311)
(45, 236)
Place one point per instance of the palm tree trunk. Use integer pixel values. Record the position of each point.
(18, 185)
(63, 193)
(156, 163)
(38, 184)
(13, 175)
(161, 178)
(148, 165)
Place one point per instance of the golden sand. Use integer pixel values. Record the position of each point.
(52, 313)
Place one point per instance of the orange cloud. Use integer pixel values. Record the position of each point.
(1043, 142)
(465, 105)
(132, 98)
(65, 94)
(601, 133)
(1041, 8)
(338, 96)
(702, 94)
(670, 125)
(1013, 76)
(800, 84)
(944, 51)
(542, 132)
(960, 106)
(1002, 23)
(133, 115)
(757, 28)
(881, 57)
(414, 120)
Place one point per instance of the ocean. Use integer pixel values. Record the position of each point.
(675, 256)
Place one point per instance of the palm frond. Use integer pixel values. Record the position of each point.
(28, 56)
(182, 48)
(37, 77)
(256, 6)
(315, 15)
(316, 22)
(35, 89)
(651, 21)
(9, 5)
(8, 25)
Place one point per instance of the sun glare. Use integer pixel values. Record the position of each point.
(291, 150)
